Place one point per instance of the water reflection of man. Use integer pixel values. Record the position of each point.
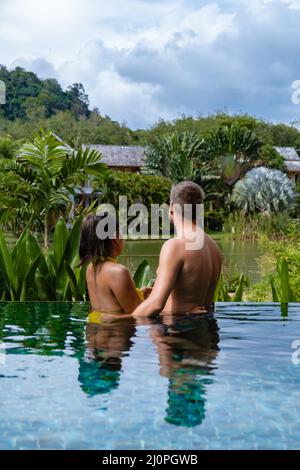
(108, 340)
(187, 349)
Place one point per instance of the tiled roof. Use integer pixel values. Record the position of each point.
(293, 166)
(288, 153)
(122, 156)
(292, 159)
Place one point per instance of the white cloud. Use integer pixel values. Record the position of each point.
(116, 94)
(140, 60)
(39, 66)
(207, 23)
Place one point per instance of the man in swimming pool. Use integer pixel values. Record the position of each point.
(189, 264)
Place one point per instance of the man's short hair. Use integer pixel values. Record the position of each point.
(187, 192)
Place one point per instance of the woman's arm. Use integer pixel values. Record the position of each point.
(123, 288)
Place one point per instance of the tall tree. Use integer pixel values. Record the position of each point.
(52, 171)
(79, 100)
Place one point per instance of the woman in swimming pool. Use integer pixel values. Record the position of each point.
(110, 285)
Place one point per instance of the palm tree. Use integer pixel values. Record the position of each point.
(264, 190)
(8, 147)
(235, 149)
(52, 169)
(173, 156)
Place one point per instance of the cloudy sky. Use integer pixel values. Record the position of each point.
(140, 60)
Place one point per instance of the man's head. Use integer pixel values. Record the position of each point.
(185, 198)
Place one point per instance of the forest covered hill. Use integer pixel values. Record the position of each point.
(33, 103)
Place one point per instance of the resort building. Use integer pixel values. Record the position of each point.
(124, 158)
(116, 157)
(292, 162)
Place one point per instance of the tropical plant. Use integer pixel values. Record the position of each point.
(138, 188)
(29, 273)
(52, 170)
(173, 156)
(18, 268)
(270, 158)
(279, 266)
(263, 190)
(281, 288)
(296, 211)
(14, 193)
(227, 291)
(59, 277)
(141, 275)
(8, 147)
(235, 140)
(234, 148)
(15, 198)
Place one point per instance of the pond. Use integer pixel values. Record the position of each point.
(238, 256)
(226, 382)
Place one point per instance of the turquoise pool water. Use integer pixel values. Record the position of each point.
(229, 382)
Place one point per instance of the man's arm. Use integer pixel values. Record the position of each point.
(170, 264)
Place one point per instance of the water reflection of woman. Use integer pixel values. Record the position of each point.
(108, 340)
(187, 349)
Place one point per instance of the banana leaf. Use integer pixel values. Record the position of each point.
(7, 268)
(141, 275)
(72, 246)
(60, 240)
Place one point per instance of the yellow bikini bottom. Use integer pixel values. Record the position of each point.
(97, 317)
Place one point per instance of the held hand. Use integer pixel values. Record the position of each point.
(146, 291)
(143, 318)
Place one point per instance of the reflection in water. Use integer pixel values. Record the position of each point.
(187, 348)
(44, 405)
(43, 328)
(108, 340)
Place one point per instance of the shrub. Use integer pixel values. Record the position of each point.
(279, 266)
(263, 190)
(137, 187)
(251, 226)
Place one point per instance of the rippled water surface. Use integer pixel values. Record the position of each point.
(228, 382)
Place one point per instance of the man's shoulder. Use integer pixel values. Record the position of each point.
(172, 248)
(173, 244)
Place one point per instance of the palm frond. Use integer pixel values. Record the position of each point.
(80, 163)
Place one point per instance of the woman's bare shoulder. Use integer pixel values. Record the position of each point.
(116, 269)
(108, 267)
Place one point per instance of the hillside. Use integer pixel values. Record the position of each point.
(28, 95)
(33, 103)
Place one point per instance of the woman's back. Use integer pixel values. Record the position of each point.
(99, 286)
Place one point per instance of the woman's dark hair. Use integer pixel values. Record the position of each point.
(92, 248)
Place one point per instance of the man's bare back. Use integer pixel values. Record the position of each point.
(189, 265)
(198, 277)
(186, 279)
